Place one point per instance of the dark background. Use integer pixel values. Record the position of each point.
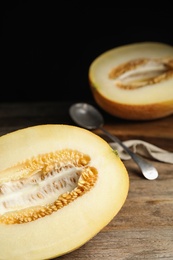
(47, 48)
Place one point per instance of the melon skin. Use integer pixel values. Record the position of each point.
(76, 223)
(149, 102)
(133, 112)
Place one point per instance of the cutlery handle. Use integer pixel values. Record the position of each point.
(148, 170)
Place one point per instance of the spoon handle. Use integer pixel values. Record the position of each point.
(148, 170)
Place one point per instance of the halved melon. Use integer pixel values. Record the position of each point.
(59, 186)
(134, 81)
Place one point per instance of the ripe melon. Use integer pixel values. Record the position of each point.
(134, 81)
(59, 186)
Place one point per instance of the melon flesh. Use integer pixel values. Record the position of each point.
(134, 92)
(69, 227)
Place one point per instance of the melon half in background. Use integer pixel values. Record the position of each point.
(134, 81)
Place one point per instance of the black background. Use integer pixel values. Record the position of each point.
(47, 47)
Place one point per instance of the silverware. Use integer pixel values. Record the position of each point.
(87, 116)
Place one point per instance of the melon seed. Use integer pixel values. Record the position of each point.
(141, 72)
(44, 184)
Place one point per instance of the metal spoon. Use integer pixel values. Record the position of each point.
(87, 116)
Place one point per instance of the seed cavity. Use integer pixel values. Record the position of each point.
(43, 185)
(142, 72)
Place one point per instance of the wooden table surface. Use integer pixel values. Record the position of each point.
(143, 229)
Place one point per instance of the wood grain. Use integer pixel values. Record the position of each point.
(143, 228)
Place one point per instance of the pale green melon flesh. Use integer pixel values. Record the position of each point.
(151, 94)
(70, 227)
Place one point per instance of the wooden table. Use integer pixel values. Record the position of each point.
(143, 229)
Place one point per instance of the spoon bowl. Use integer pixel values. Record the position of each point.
(87, 116)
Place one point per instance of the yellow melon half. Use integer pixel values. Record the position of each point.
(59, 186)
(134, 81)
